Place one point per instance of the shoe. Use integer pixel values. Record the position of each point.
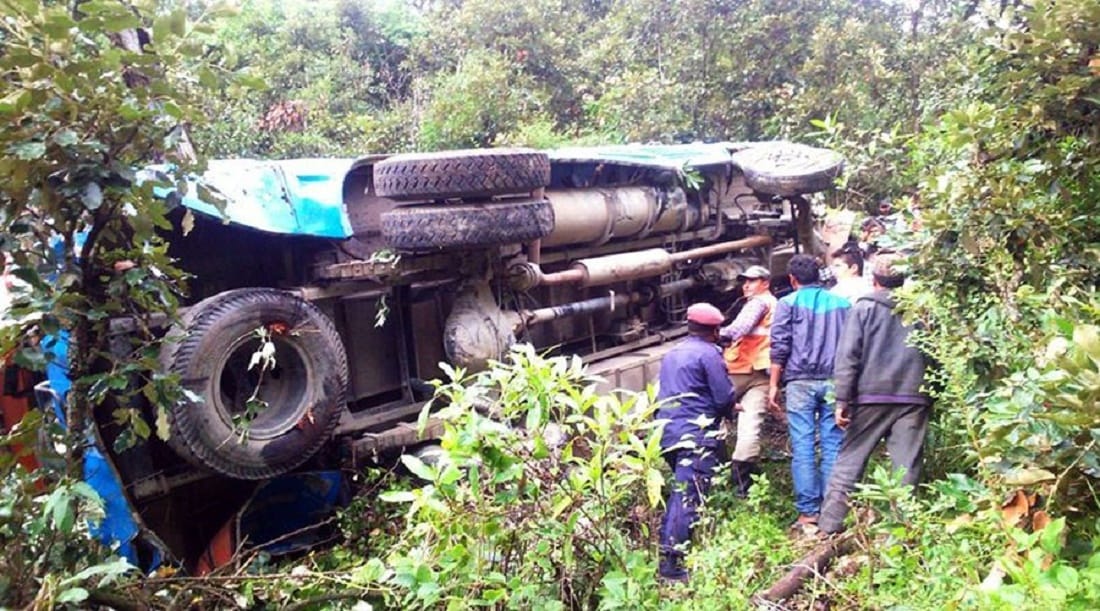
(805, 519)
(805, 526)
(810, 531)
(671, 570)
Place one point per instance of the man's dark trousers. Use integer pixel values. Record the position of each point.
(902, 425)
(692, 470)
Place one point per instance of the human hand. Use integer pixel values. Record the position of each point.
(842, 416)
(725, 429)
(737, 407)
(124, 265)
(773, 399)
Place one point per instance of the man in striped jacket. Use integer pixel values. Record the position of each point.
(747, 361)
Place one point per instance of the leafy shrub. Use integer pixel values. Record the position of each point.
(1041, 576)
(484, 97)
(642, 105)
(741, 546)
(1045, 417)
(49, 558)
(543, 495)
(923, 552)
(1007, 257)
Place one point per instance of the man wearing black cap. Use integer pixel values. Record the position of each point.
(695, 394)
(748, 362)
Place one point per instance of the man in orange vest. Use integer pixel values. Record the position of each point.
(747, 361)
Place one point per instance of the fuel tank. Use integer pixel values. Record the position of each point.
(595, 216)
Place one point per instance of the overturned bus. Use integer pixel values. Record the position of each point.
(357, 278)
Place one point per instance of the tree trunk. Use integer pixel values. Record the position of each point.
(807, 567)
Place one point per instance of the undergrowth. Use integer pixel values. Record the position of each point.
(545, 498)
(547, 495)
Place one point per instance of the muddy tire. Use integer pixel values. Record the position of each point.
(420, 228)
(465, 173)
(784, 168)
(214, 426)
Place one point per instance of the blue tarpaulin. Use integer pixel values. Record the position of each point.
(293, 197)
(118, 525)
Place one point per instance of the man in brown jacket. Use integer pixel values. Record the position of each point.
(879, 393)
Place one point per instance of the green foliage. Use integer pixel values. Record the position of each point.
(80, 227)
(543, 495)
(740, 545)
(1007, 253)
(921, 553)
(551, 45)
(88, 100)
(48, 558)
(471, 107)
(330, 69)
(1040, 575)
(349, 77)
(984, 127)
(1044, 417)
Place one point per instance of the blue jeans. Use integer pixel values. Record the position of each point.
(810, 414)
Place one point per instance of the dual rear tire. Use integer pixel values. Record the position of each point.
(247, 421)
(464, 199)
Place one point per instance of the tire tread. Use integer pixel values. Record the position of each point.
(419, 228)
(456, 174)
(176, 356)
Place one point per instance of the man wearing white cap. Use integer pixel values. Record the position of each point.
(747, 360)
(696, 394)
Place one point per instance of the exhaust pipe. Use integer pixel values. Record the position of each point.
(621, 267)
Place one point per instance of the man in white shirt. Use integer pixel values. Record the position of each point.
(847, 266)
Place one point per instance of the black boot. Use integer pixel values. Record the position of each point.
(742, 477)
(672, 568)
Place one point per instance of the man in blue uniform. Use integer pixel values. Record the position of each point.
(696, 394)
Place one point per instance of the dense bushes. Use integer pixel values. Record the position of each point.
(1008, 255)
(635, 70)
(985, 128)
(544, 491)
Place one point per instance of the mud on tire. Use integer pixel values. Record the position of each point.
(467, 225)
(786, 168)
(464, 173)
(211, 349)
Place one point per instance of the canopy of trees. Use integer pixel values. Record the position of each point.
(349, 77)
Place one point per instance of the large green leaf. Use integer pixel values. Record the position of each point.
(28, 151)
(1087, 338)
(14, 102)
(418, 468)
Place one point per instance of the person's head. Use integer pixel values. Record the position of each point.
(887, 271)
(803, 270)
(703, 320)
(755, 280)
(847, 262)
(871, 229)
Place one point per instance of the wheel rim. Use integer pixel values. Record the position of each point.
(284, 389)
